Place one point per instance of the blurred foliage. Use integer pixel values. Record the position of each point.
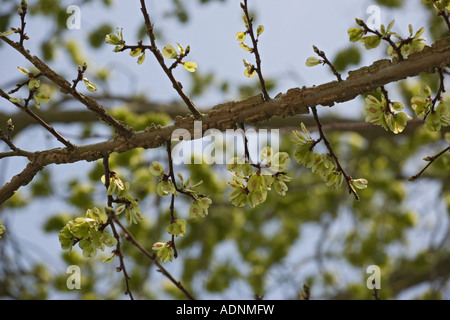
(260, 249)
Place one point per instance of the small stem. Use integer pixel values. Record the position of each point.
(246, 152)
(81, 71)
(172, 220)
(445, 15)
(255, 51)
(113, 228)
(441, 89)
(348, 179)
(430, 162)
(375, 291)
(153, 258)
(159, 57)
(326, 61)
(388, 101)
(171, 171)
(22, 14)
(20, 85)
(44, 124)
(387, 38)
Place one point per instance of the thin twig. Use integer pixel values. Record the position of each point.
(328, 62)
(172, 220)
(375, 291)
(441, 89)
(22, 14)
(348, 179)
(430, 160)
(159, 57)
(81, 71)
(118, 251)
(255, 50)
(66, 87)
(44, 124)
(445, 15)
(154, 259)
(172, 172)
(388, 101)
(386, 38)
(20, 85)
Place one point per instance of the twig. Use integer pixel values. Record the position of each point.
(159, 57)
(65, 87)
(20, 85)
(348, 179)
(172, 172)
(388, 101)
(441, 89)
(81, 71)
(22, 14)
(246, 152)
(375, 291)
(306, 293)
(326, 61)
(172, 220)
(445, 15)
(153, 258)
(430, 160)
(44, 124)
(118, 251)
(386, 38)
(255, 50)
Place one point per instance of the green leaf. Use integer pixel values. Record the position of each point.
(156, 168)
(240, 36)
(141, 59)
(371, 42)
(190, 66)
(169, 52)
(135, 52)
(259, 30)
(312, 61)
(359, 183)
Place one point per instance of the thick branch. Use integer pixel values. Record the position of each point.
(255, 109)
(22, 179)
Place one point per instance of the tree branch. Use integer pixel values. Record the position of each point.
(430, 160)
(66, 87)
(255, 50)
(347, 178)
(44, 124)
(255, 109)
(153, 258)
(154, 49)
(118, 251)
(22, 179)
